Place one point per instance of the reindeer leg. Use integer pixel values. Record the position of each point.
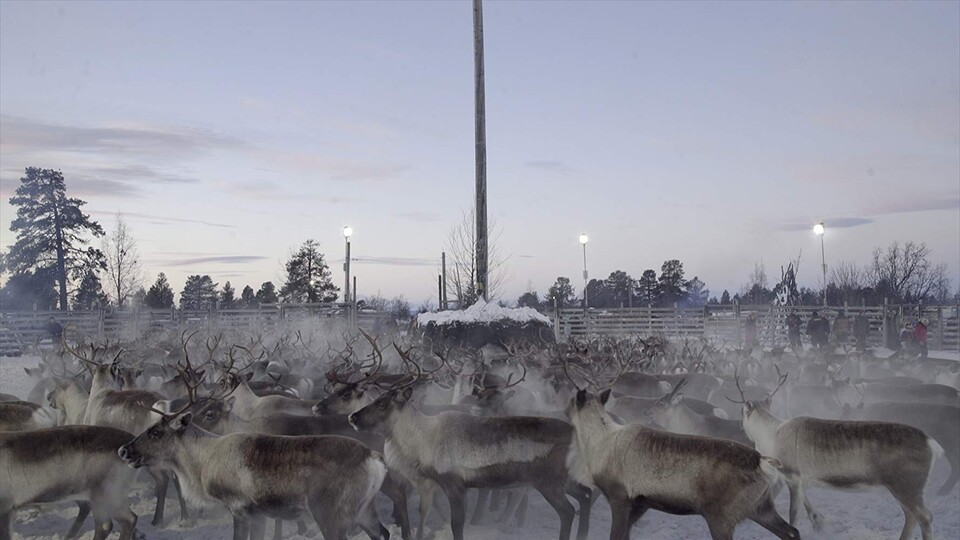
(555, 496)
(584, 498)
(620, 523)
(258, 525)
(456, 494)
(278, 529)
(815, 517)
(184, 511)
(102, 528)
(128, 523)
(796, 499)
(6, 525)
(914, 510)
(83, 510)
(425, 488)
(241, 527)
(398, 495)
(162, 481)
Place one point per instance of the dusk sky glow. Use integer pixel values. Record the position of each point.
(713, 133)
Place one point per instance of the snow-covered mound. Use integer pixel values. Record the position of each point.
(482, 312)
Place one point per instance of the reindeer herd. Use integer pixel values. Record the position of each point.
(277, 428)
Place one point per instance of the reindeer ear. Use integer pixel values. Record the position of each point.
(604, 396)
(407, 392)
(677, 398)
(248, 376)
(581, 398)
(228, 403)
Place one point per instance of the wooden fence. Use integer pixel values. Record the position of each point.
(726, 323)
(720, 323)
(20, 329)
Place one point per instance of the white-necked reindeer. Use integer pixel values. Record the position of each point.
(638, 468)
(844, 455)
(257, 476)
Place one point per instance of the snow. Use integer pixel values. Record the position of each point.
(483, 312)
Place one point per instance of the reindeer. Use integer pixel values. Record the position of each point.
(67, 463)
(638, 468)
(671, 413)
(215, 416)
(249, 405)
(24, 416)
(70, 399)
(258, 476)
(846, 454)
(127, 410)
(458, 451)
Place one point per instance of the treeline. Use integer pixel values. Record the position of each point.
(619, 289)
(53, 264)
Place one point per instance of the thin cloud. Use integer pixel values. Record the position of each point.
(950, 202)
(22, 134)
(165, 219)
(834, 223)
(221, 259)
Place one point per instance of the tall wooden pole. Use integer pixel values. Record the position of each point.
(481, 149)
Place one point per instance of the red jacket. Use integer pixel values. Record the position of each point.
(920, 333)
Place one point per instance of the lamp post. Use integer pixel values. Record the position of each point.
(583, 241)
(347, 233)
(819, 230)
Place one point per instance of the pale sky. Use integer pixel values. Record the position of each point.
(714, 133)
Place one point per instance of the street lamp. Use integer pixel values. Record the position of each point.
(583, 241)
(347, 233)
(819, 230)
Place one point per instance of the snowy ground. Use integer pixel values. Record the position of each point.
(865, 515)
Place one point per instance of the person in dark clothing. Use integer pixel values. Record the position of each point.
(818, 328)
(920, 337)
(892, 337)
(793, 330)
(54, 330)
(861, 328)
(750, 331)
(841, 327)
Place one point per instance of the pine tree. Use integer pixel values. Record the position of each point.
(561, 294)
(529, 299)
(30, 290)
(90, 293)
(227, 300)
(308, 277)
(160, 295)
(248, 298)
(52, 231)
(671, 283)
(648, 290)
(267, 293)
(199, 292)
(697, 292)
(725, 298)
(620, 287)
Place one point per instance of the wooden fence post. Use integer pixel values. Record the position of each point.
(942, 330)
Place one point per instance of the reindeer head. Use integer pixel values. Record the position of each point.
(158, 445)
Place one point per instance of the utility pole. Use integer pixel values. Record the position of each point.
(481, 149)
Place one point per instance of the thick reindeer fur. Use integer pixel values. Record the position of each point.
(458, 451)
(130, 411)
(638, 468)
(24, 416)
(259, 476)
(67, 463)
(940, 422)
(847, 455)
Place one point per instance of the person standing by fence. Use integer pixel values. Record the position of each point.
(750, 331)
(818, 328)
(793, 330)
(841, 327)
(861, 328)
(920, 337)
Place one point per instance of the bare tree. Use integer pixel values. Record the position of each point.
(904, 273)
(462, 263)
(848, 278)
(124, 274)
